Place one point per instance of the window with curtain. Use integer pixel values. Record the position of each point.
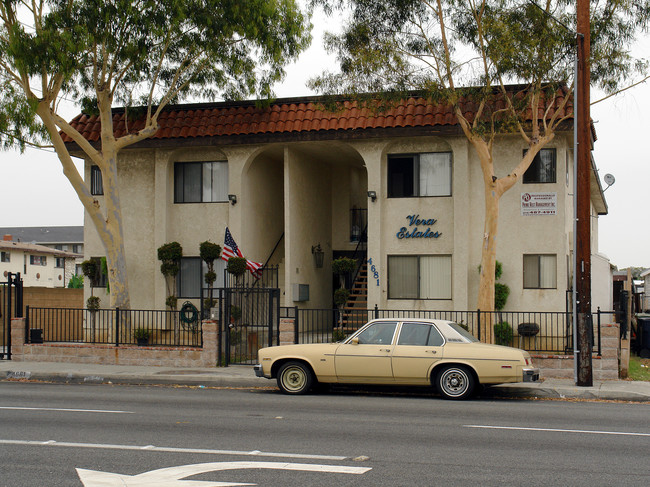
(540, 271)
(427, 174)
(419, 277)
(201, 182)
(190, 279)
(542, 169)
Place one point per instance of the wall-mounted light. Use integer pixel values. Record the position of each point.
(233, 199)
(318, 256)
(372, 195)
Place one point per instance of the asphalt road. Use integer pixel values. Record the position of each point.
(101, 435)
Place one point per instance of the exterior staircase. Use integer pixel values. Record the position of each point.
(355, 311)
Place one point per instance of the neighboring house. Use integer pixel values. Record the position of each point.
(66, 238)
(645, 299)
(303, 177)
(38, 265)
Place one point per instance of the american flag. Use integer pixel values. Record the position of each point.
(230, 249)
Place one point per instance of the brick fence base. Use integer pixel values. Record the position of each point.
(112, 355)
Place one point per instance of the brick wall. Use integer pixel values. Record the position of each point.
(112, 355)
(605, 367)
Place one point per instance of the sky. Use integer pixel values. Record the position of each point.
(34, 191)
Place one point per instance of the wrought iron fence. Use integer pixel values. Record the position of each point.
(535, 331)
(112, 326)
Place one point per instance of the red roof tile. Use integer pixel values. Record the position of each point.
(286, 116)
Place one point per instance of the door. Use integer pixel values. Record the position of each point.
(368, 358)
(419, 346)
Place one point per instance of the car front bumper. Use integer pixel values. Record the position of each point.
(258, 370)
(530, 375)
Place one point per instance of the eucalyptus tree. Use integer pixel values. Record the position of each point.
(135, 53)
(513, 59)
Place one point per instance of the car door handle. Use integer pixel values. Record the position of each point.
(431, 351)
(384, 349)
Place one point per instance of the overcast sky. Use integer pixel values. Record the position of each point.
(34, 191)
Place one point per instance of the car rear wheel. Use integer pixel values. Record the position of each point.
(455, 382)
(295, 378)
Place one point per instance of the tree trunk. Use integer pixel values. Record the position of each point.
(488, 262)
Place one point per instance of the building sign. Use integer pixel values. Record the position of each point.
(418, 228)
(538, 204)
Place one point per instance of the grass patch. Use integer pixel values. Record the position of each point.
(639, 368)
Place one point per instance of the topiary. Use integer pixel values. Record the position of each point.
(502, 333)
(341, 296)
(236, 266)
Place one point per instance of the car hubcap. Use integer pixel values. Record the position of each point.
(294, 379)
(454, 382)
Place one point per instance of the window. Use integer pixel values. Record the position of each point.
(59, 262)
(427, 174)
(378, 334)
(96, 182)
(189, 281)
(5, 257)
(542, 169)
(75, 248)
(101, 279)
(200, 182)
(420, 334)
(540, 271)
(37, 260)
(419, 277)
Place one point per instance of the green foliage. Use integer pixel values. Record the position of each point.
(171, 302)
(338, 335)
(236, 266)
(142, 333)
(90, 269)
(92, 303)
(103, 266)
(209, 252)
(170, 254)
(235, 313)
(209, 303)
(341, 297)
(210, 277)
(76, 282)
(501, 293)
(503, 333)
(343, 265)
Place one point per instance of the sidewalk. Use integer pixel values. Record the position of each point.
(244, 377)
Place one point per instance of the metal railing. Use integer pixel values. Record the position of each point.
(552, 331)
(111, 326)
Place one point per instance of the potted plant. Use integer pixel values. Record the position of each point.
(209, 252)
(142, 336)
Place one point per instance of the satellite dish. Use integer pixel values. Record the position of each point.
(609, 180)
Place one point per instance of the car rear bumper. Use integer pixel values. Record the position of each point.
(531, 375)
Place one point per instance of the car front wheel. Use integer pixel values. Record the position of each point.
(455, 382)
(295, 378)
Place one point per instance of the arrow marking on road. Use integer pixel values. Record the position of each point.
(171, 476)
(256, 453)
(556, 430)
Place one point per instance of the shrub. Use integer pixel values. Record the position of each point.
(142, 334)
(501, 293)
(236, 266)
(503, 333)
(341, 297)
(76, 282)
(92, 303)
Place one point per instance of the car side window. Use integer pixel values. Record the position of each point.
(378, 334)
(414, 334)
(435, 338)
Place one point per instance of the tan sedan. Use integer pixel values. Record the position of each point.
(401, 352)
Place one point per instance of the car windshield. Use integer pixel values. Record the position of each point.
(456, 333)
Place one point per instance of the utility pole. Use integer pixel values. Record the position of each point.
(582, 239)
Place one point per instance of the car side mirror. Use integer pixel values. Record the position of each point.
(355, 341)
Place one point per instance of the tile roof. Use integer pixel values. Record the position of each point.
(289, 116)
(48, 235)
(36, 249)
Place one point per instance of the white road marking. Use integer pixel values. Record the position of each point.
(171, 449)
(557, 430)
(67, 410)
(171, 476)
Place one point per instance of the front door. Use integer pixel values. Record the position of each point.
(418, 347)
(368, 359)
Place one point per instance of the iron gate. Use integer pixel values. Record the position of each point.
(11, 306)
(249, 319)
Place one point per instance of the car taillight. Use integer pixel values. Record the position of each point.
(529, 361)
